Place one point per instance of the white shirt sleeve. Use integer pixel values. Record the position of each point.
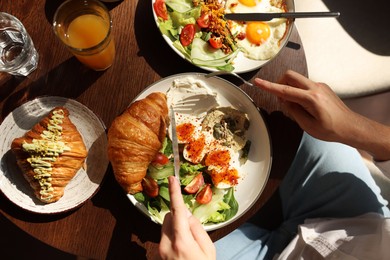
(384, 166)
(364, 237)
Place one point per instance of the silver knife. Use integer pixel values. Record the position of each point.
(270, 16)
(175, 145)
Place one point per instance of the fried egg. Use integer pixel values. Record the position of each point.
(200, 146)
(257, 40)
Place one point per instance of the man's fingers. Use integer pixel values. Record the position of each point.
(284, 92)
(201, 237)
(300, 114)
(166, 235)
(295, 79)
(179, 210)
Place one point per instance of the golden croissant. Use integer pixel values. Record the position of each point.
(134, 139)
(50, 154)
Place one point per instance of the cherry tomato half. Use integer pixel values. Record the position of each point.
(203, 21)
(187, 34)
(205, 195)
(150, 186)
(215, 42)
(195, 184)
(161, 9)
(160, 159)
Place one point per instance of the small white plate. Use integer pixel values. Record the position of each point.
(257, 167)
(83, 185)
(241, 63)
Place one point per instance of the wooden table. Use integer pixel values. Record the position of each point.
(108, 225)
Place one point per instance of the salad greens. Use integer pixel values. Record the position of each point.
(200, 52)
(222, 207)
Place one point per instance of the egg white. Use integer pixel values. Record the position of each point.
(234, 6)
(206, 149)
(234, 163)
(278, 27)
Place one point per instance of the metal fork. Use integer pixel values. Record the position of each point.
(195, 104)
(221, 72)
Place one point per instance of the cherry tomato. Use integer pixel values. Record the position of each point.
(205, 195)
(241, 36)
(195, 184)
(203, 21)
(161, 9)
(215, 42)
(150, 186)
(187, 34)
(160, 159)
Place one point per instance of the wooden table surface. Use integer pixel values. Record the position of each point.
(108, 225)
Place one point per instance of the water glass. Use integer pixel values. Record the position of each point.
(18, 55)
(85, 28)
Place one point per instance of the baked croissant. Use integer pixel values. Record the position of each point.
(134, 139)
(50, 154)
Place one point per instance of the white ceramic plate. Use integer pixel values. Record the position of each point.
(83, 185)
(258, 165)
(241, 63)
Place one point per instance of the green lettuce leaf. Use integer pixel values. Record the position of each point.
(233, 205)
(179, 5)
(211, 212)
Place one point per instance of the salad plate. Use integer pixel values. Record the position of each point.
(83, 185)
(240, 63)
(258, 165)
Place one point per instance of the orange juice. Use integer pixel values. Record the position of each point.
(90, 38)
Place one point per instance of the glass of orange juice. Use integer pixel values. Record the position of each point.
(84, 26)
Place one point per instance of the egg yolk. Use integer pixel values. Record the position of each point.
(185, 132)
(225, 175)
(248, 2)
(257, 32)
(218, 158)
(195, 149)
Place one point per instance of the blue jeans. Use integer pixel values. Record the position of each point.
(325, 180)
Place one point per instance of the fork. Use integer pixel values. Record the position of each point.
(196, 104)
(222, 72)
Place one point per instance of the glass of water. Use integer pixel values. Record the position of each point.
(18, 55)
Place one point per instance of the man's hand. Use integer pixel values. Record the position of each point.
(183, 236)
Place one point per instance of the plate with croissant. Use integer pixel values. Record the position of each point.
(224, 148)
(53, 155)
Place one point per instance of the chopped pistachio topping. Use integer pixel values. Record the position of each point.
(44, 152)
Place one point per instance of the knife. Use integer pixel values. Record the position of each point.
(175, 145)
(270, 16)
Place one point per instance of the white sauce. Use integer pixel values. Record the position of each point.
(191, 96)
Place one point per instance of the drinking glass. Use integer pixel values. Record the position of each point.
(84, 26)
(18, 55)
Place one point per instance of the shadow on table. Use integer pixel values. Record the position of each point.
(61, 81)
(52, 5)
(367, 23)
(132, 228)
(13, 239)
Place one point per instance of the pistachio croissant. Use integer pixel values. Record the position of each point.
(50, 154)
(134, 139)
